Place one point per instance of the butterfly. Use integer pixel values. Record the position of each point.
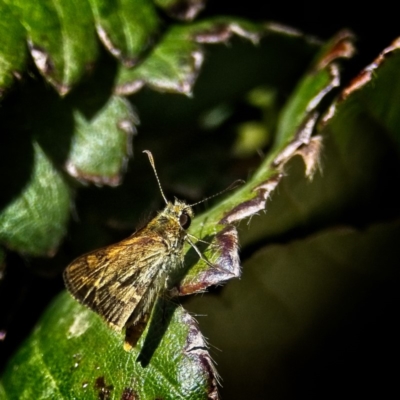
(121, 282)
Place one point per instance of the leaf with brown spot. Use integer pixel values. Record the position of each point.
(171, 360)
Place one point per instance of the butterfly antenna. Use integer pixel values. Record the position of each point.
(230, 187)
(151, 159)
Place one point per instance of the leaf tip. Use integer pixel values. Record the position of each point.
(342, 47)
(185, 10)
(367, 73)
(46, 66)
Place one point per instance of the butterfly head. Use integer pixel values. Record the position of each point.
(182, 212)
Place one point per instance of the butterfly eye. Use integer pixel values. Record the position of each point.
(185, 221)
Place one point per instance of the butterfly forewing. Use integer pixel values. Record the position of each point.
(120, 281)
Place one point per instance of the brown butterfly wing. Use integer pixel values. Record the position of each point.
(121, 280)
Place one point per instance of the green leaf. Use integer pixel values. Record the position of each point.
(61, 48)
(13, 49)
(173, 65)
(34, 220)
(73, 354)
(125, 27)
(88, 134)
